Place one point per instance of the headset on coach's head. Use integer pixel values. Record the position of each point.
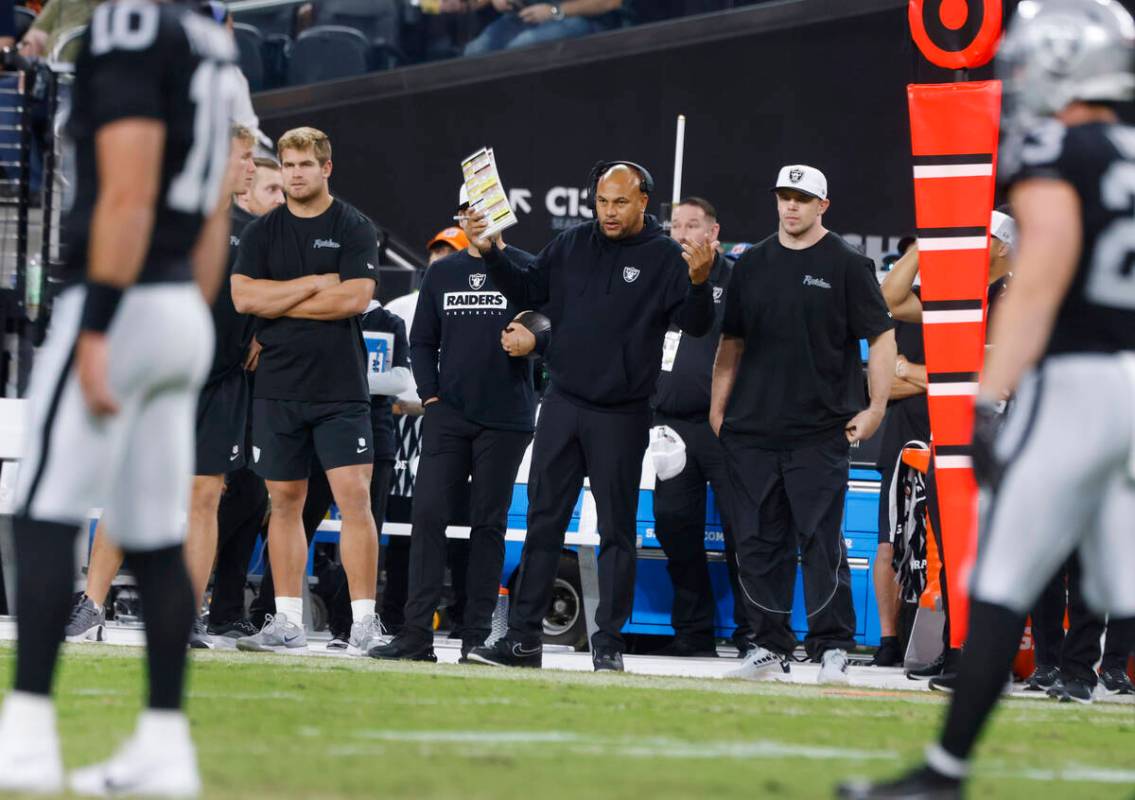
(645, 178)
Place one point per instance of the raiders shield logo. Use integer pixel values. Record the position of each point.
(630, 274)
(477, 280)
(796, 175)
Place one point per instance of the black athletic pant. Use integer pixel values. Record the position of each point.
(240, 520)
(788, 505)
(1077, 651)
(318, 501)
(607, 446)
(679, 524)
(45, 560)
(455, 449)
(1119, 645)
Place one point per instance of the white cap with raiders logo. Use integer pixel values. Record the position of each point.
(803, 178)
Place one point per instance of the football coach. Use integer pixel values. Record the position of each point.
(611, 288)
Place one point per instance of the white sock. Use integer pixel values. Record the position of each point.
(163, 725)
(945, 764)
(32, 714)
(96, 605)
(360, 609)
(291, 608)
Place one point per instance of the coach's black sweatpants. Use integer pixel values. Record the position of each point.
(1076, 651)
(607, 446)
(455, 449)
(240, 519)
(788, 506)
(679, 525)
(315, 507)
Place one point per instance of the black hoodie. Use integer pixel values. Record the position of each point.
(610, 302)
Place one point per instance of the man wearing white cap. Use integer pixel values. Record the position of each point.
(898, 288)
(787, 402)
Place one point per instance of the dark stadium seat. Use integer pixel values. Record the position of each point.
(24, 19)
(326, 52)
(374, 19)
(280, 19)
(275, 51)
(250, 46)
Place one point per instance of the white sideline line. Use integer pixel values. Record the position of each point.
(633, 747)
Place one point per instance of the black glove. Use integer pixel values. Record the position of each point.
(987, 421)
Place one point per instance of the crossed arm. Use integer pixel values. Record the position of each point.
(319, 297)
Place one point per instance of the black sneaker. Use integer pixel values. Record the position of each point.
(1042, 679)
(920, 784)
(467, 647)
(605, 660)
(684, 647)
(1115, 681)
(404, 648)
(889, 653)
(507, 653)
(236, 629)
(1072, 690)
(946, 682)
(942, 665)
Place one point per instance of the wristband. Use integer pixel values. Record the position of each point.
(99, 306)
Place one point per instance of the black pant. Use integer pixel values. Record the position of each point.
(608, 447)
(788, 503)
(455, 449)
(318, 501)
(240, 519)
(1119, 645)
(1076, 651)
(679, 524)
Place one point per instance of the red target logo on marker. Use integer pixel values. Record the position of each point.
(956, 34)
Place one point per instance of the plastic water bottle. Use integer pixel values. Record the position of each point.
(500, 618)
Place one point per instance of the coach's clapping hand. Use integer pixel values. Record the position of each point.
(700, 256)
(91, 366)
(517, 340)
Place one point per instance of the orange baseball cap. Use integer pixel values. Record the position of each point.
(453, 236)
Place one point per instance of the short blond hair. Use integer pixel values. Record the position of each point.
(243, 134)
(305, 139)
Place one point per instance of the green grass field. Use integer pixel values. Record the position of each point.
(280, 727)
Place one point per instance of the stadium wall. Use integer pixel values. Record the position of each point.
(813, 81)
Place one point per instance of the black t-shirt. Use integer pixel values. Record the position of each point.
(455, 344)
(380, 320)
(1097, 314)
(801, 314)
(303, 359)
(685, 383)
(161, 62)
(232, 331)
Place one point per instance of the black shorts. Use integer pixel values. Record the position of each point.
(287, 433)
(222, 411)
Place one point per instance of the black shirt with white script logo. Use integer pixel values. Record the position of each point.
(455, 348)
(303, 359)
(801, 314)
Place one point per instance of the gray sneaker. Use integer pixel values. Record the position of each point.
(199, 638)
(365, 634)
(87, 623)
(277, 636)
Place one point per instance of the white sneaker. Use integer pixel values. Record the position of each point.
(760, 664)
(833, 667)
(159, 760)
(365, 634)
(30, 761)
